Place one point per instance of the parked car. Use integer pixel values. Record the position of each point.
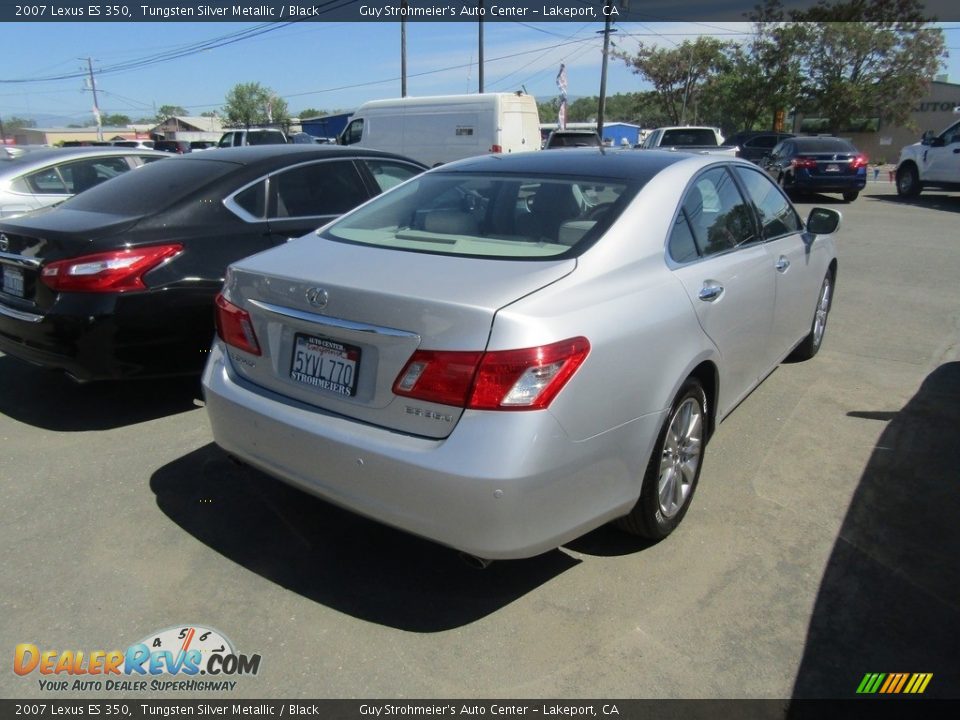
(509, 351)
(139, 144)
(253, 136)
(934, 162)
(47, 176)
(754, 145)
(688, 138)
(173, 146)
(572, 138)
(120, 280)
(818, 164)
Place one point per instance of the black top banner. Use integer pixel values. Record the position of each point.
(533, 11)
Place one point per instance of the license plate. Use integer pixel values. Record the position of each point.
(833, 168)
(325, 364)
(12, 281)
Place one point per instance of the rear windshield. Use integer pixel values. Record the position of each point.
(689, 136)
(574, 140)
(151, 187)
(827, 144)
(494, 216)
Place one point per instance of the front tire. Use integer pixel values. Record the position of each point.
(674, 467)
(812, 342)
(908, 181)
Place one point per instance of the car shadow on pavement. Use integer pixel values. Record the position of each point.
(334, 557)
(51, 401)
(930, 199)
(889, 599)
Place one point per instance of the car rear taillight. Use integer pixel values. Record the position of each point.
(496, 148)
(804, 163)
(527, 379)
(234, 326)
(860, 161)
(114, 271)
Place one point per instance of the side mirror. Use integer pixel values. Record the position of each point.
(927, 137)
(823, 221)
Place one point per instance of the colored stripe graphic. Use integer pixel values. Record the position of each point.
(870, 683)
(894, 683)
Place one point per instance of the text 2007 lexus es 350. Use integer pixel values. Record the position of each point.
(506, 352)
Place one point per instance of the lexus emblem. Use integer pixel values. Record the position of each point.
(318, 297)
(4, 243)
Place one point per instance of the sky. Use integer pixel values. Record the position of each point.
(322, 65)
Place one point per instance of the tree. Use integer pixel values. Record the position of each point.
(250, 104)
(760, 79)
(115, 120)
(311, 113)
(880, 66)
(679, 75)
(14, 122)
(165, 112)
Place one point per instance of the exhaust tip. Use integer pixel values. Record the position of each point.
(477, 563)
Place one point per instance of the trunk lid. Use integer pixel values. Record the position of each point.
(832, 164)
(369, 309)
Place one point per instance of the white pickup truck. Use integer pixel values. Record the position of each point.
(688, 138)
(934, 162)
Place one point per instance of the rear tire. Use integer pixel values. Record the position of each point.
(851, 195)
(908, 181)
(674, 467)
(812, 342)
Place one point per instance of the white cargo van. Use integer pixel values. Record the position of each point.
(443, 128)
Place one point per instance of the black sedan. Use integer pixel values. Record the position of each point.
(818, 164)
(120, 281)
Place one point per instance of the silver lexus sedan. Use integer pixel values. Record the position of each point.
(509, 351)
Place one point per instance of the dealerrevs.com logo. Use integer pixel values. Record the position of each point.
(184, 657)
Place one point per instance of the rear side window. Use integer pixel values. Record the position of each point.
(43, 182)
(318, 189)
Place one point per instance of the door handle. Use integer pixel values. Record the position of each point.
(710, 292)
(782, 264)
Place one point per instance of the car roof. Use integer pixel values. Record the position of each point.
(44, 157)
(597, 162)
(268, 155)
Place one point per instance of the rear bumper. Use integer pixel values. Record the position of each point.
(103, 337)
(502, 485)
(819, 183)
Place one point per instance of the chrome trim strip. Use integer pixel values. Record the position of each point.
(19, 314)
(13, 259)
(331, 321)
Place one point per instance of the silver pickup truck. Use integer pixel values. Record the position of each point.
(688, 138)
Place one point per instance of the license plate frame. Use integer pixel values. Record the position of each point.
(324, 364)
(12, 281)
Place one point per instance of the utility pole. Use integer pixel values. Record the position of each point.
(403, 48)
(96, 105)
(603, 71)
(480, 38)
